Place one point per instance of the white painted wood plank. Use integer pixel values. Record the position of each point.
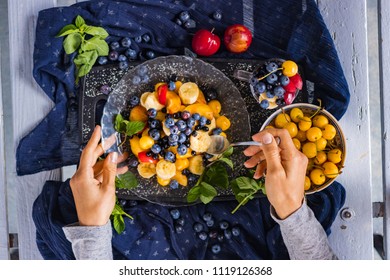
(4, 252)
(384, 58)
(347, 22)
(30, 105)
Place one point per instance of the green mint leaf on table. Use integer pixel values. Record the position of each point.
(67, 29)
(133, 127)
(217, 176)
(117, 218)
(228, 152)
(96, 31)
(79, 21)
(193, 194)
(207, 192)
(126, 181)
(72, 42)
(228, 161)
(96, 44)
(244, 189)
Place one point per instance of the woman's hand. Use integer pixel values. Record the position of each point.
(285, 167)
(93, 184)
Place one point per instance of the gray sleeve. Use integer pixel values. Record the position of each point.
(304, 236)
(90, 242)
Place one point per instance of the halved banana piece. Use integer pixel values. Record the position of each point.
(201, 142)
(165, 169)
(189, 93)
(146, 170)
(149, 100)
(196, 165)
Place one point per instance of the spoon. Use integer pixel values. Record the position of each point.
(220, 144)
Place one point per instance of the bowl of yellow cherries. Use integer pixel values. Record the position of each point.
(318, 135)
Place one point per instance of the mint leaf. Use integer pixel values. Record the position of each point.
(133, 127)
(126, 181)
(217, 176)
(67, 29)
(84, 70)
(96, 31)
(79, 21)
(96, 43)
(207, 190)
(119, 223)
(206, 199)
(72, 42)
(228, 152)
(228, 161)
(193, 194)
(119, 124)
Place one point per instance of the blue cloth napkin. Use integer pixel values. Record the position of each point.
(287, 29)
(152, 234)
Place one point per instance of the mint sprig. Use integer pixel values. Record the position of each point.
(215, 176)
(117, 218)
(88, 40)
(244, 189)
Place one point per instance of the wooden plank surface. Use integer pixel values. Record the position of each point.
(384, 56)
(4, 253)
(353, 238)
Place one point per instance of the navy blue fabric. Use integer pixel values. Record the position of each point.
(151, 235)
(287, 29)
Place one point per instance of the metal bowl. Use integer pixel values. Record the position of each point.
(338, 141)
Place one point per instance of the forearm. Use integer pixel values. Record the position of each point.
(90, 242)
(304, 236)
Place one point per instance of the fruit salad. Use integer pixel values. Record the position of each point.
(315, 136)
(179, 119)
(276, 83)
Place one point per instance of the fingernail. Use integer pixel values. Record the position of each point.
(114, 157)
(267, 138)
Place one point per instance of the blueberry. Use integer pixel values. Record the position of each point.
(156, 149)
(114, 45)
(175, 213)
(279, 91)
(122, 57)
(174, 130)
(169, 122)
(192, 178)
(102, 60)
(227, 233)
(213, 234)
(221, 237)
(210, 223)
(152, 113)
(181, 221)
(211, 94)
(272, 66)
(217, 131)
(284, 80)
(185, 115)
(182, 138)
(146, 38)
(123, 65)
(191, 121)
(202, 235)
(217, 15)
(260, 87)
(236, 231)
(272, 78)
(216, 248)
(122, 202)
(142, 70)
(105, 89)
(126, 42)
(136, 80)
(171, 85)
(198, 127)
(154, 124)
(184, 16)
(133, 162)
(198, 227)
(138, 39)
(207, 216)
(155, 134)
(202, 121)
(188, 131)
(223, 225)
(264, 104)
(204, 128)
(113, 55)
(131, 54)
(134, 100)
(169, 156)
(270, 94)
(253, 81)
(173, 184)
(173, 137)
(179, 229)
(190, 24)
(196, 116)
(178, 22)
(182, 150)
(150, 54)
(173, 144)
(181, 125)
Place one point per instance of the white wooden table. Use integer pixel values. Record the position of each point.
(351, 238)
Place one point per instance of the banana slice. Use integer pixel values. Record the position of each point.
(196, 165)
(143, 98)
(146, 170)
(189, 93)
(151, 101)
(165, 169)
(201, 142)
(272, 101)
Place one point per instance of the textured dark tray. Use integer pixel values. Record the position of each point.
(92, 100)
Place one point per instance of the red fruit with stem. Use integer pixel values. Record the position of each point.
(205, 42)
